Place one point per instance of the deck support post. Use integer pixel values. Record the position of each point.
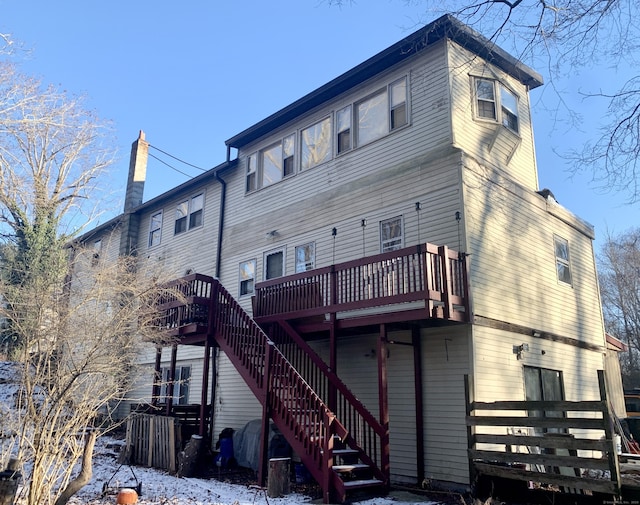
(172, 379)
(205, 388)
(384, 399)
(157, 377)
(333, 362)
(264, 433)
(417, 372)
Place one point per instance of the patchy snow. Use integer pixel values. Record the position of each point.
(161, 488)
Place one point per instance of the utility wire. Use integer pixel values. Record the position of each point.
(177, 159)
(171, 167)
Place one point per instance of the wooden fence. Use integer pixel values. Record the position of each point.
(561, 445)
(153, 441)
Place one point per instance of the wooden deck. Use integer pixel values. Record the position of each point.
(419, 282)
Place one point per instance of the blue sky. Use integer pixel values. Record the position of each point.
(192, 75)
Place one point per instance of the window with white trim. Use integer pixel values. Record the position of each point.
(97, 251)
(315, 144)
(274, 264)
(180, 386)
(494, 101)
(563, 266)
(391, 234)
(155, 229)
(381, 113)
(274, 164)
(247, 277)
(305, 257)
(189, 214)
(343, 130)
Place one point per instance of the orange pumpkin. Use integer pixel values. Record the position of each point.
(127, 497)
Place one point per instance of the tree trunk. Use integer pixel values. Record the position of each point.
(85, 471)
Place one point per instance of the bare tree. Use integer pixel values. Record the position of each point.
(72, 321)
(619, 276)
(562, 37)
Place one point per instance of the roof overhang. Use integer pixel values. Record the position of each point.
(445, 27)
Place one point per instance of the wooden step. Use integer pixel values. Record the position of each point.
(362, 484)
(350, 468)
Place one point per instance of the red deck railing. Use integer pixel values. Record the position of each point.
(429, 273)
(200, 304)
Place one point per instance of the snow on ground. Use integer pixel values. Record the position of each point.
(161, 488)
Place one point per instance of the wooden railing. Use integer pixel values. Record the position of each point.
(565, 444)
(435, 275)
(296, 409)
(365, 430)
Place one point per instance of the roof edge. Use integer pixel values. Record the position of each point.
(446, 26)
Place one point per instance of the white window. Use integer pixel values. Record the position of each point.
(247, 277)
(252, 172)
(563, 267)
(274, 264)
(343, 129)
(277, 161)
(189, 213)
(180, 386)
(391, 236)
(97, 251)
(398, 103)
(315, 144)
(305, 257)
(382, 112)
(495, 102)
(155, 229)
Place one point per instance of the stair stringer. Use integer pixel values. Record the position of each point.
(301, 416)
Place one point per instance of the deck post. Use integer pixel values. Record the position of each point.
(443, 252)
(614, 463)
(172, 379)
(264, 434)
(417, 371)
(205, 388)
(384, 400)
(157, 377)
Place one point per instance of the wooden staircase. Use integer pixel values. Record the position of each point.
(343, 457)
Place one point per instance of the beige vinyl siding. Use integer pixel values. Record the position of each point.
(194, 249)
(377, 181)
(402, 409)
(499, 374)
(235, 403)
(475, 136)
(513, 266)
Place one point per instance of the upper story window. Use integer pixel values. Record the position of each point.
(563, 267)
(382, 112)
(343, 129)
(247, 277)
(97, 251)
(305, 257)
(155, 229)
(274, 264)
(189, 213)
(496, 102)
(315, 144)
(276, 161)
(391, 234)
(252, 172)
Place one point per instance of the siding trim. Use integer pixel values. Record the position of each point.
(525, 330)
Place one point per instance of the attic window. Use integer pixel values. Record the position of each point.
(496, 102)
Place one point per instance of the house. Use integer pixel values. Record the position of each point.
(385, 236)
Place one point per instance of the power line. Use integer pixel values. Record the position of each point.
(177, 159)
(171, 167)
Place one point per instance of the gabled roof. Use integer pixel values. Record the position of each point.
(444, 27)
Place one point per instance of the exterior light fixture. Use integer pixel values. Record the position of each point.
(519, 349)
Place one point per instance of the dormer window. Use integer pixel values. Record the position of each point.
(496, 102)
